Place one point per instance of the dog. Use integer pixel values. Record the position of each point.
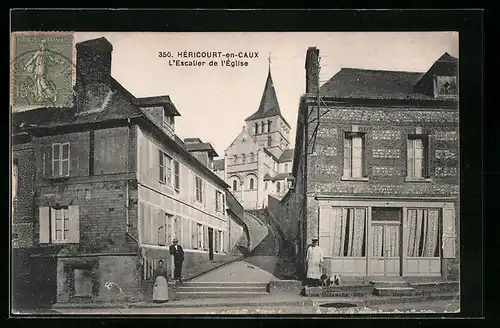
(327, 281)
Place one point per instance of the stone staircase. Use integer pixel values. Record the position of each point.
(392, 288)
(189, 290)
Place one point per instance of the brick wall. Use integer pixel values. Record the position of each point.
(22, 222)
(386, 133)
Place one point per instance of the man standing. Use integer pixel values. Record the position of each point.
(314, 261)
(178, 253)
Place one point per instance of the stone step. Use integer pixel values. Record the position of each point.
(222, 284)
(206, 289)
(338, 291)
(215, 294)
(395, 291)
(389, 283)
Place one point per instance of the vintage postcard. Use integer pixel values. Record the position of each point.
(235, 173)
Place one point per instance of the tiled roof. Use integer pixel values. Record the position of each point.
(286, 156)
(204, 146)
(372, 84)
(219, 164)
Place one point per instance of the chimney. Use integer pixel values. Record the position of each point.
(312, 70)
(93, 60)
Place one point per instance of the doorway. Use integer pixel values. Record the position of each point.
(386, 241)
(211, 244)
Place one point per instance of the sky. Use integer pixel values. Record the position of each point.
(214, 101)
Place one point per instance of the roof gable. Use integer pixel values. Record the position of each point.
(243, 140)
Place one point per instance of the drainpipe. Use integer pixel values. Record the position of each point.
(127, 198)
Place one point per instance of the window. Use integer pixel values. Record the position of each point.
(243, 158)
(354, 155)
(199, 189)
(265, 185)
(235, 159)
(278, 187)
(164, 168)
(252, 157)
(177, 182)
(218, 247)
(219, 201)
(423, 233)
(251, 183)
(200, 235)
(343, 231)
(59, 224)
(261, 127)
(286, 167)
(60, 159)
(418, 157)
(268, 126)
(269, 141)
(235, 185)
(445, 86)
(256, 126)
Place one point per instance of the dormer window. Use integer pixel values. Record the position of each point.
(445, 86)
(168, 122)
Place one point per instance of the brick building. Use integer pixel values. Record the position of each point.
(376, 171)
(111, 186)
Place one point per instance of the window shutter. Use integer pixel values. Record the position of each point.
(161, 166)
(347, 157)
(448, 239)
(169, 228)
(162, 228)
(427, 157)
(177, 182)
(216, 241)
(194, 234)
(325, 230)
(74, 223)
(205, 237)
(364, 158)
(186, 237)
(44, 220)
(410, 165)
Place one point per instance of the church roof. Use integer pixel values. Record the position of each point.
(269, 105)
(286, 156)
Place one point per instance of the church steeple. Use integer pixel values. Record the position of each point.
(269, 105)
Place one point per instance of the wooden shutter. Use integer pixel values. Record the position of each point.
(347, 157)
(178, 227)
(410, 161)
(194, 234)
(177, 182)
(186, 236)
(448, 239)
(162, 228)
(364, 157)
(161, 166)
(169, 228)
(325, 235)
(74, 223)
(216, 241)
(427, 157)
(205, 237)
(44, 221)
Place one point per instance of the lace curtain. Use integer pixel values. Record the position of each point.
(423, 233)
(348, 226)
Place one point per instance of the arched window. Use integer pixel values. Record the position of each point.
(286, 168)
(235, 159)
(265, 185)
(256, 128)
(269, 126)
(235, 185)
(269, 141)
(278, 187)
(251, 183)
(252, 157)
(261, 127)
(243, 158)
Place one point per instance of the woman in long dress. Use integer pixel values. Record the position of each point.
(160, 289)
(314, 263)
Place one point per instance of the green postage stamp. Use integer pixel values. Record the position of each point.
(42, 69)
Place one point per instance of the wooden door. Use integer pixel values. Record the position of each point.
(211, 244)
(386, 248)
